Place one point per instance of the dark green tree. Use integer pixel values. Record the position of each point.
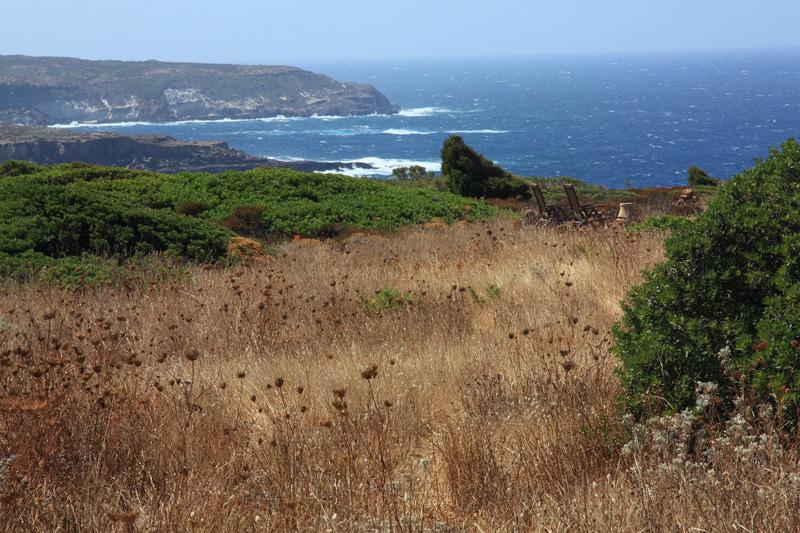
(468, 173)
(698, 177)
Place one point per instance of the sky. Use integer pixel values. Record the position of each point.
(304, 31)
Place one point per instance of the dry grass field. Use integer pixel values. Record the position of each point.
(444, 379)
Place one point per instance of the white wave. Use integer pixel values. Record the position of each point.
(380, 166)
(384, 167)
(277, 118)
(424, 111)
(393, 131)
(488, 132)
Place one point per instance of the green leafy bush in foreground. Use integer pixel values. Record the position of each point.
(725, 305)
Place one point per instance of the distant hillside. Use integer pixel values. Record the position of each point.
(50, 90)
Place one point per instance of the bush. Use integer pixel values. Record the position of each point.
(385, 299)
(698, 177)
(414, 172)
(247, 220)
(191, 209)
(662, 223)
(18, 168)
(468, 173)
(331, 230)
(73, 218)
(725, 306)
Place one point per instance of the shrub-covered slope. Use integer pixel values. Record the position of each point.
(70, 210)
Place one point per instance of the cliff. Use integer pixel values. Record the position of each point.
(144, 152)
(48, 90)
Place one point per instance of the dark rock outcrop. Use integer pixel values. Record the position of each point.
(145, 152)
(48, 90)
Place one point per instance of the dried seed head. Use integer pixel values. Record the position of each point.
(370, 372)
(278, 383)
(241, 374)
(339, 393)
(193, 355)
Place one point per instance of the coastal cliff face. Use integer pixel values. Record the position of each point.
(143, 152)
(46, 90)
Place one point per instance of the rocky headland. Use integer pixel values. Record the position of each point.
(144, 152)
(50, 90)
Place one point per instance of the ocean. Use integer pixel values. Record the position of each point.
(634, 120)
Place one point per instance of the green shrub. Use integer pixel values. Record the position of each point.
(662, 223)
(725, 305)
(414, 172)
(331, 230)
(385, 299)
(468, 173)
(18, 168)
(247, 220)
(191, 209)
(73, 218)
(698, 177)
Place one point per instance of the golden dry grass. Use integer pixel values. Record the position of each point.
(445, 379)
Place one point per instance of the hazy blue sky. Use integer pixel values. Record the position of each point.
(285, 31)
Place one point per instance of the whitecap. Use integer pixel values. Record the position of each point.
(380, 166)
(487, 132)
(277, 118)
(384, 167)
(424, 111)
(393, 131)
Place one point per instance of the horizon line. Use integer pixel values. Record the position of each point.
(439, 58)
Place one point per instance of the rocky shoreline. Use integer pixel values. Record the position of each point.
(144, 152)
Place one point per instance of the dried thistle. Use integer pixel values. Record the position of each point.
(371, 372)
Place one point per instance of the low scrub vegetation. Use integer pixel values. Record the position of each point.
(51, 214)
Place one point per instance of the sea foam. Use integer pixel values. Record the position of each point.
(424, 111)
(393, 131)
(277, 118)
(380, 166)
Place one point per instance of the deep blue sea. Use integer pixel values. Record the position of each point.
(638, 120)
